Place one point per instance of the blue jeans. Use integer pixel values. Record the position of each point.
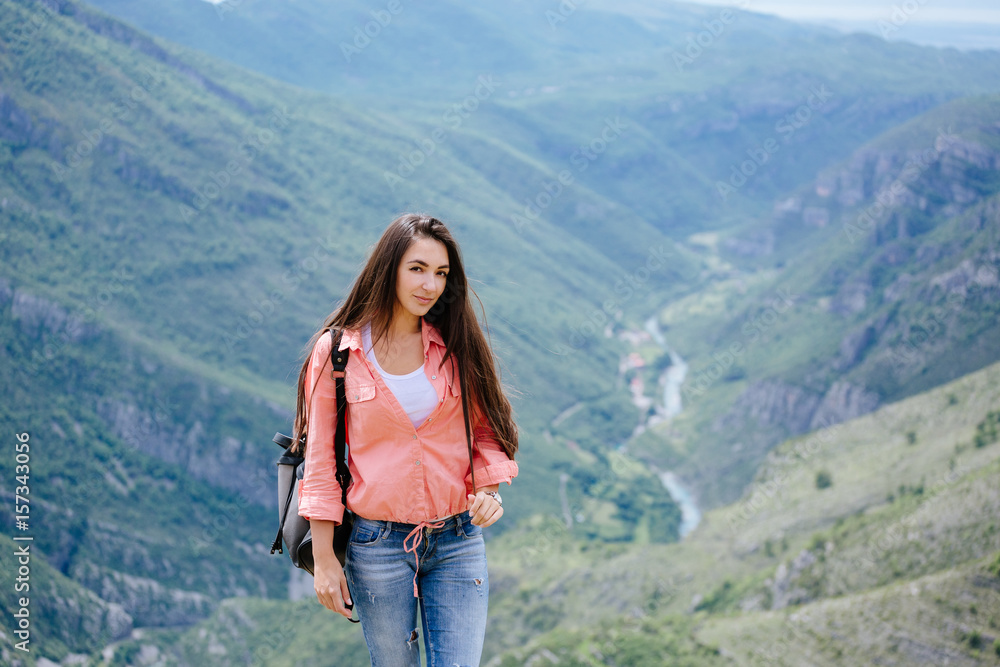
(452, 582)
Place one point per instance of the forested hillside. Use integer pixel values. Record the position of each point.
(698, 261)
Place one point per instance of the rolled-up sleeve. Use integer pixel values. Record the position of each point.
(319, 492)
(490, 460)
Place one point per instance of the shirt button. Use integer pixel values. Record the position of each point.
(414, 436)
(418, 462)
(434, 377)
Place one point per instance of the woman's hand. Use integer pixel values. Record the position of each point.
(331, 585)
(484, 508)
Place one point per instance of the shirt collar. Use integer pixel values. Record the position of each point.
(351, 339)
(428, 333)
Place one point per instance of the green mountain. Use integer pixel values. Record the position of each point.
(172, 230)
(175, 226)
(776, 156)
(201, 224)
(896, 561)
(888, 286)
(693, 111)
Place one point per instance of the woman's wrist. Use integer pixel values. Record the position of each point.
(493, 491)
(322, 533)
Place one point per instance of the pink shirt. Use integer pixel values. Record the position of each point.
(399, 472)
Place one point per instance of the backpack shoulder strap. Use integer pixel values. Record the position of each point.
(339, 358)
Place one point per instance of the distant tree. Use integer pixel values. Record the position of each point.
(988, 430)
(824, 479)
(975, 639)
(995, 565)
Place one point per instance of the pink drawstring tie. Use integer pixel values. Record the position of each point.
(417, 534)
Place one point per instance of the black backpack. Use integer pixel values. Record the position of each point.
(293, 529)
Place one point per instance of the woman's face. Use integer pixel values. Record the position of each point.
(421, 276)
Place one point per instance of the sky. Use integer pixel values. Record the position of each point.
(964, 24)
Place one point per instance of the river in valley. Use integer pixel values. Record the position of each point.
(668, 407)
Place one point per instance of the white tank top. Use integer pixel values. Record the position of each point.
(415, 393)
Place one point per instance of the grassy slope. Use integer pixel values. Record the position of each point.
(730, 562)
(951, 617)
(887, 579)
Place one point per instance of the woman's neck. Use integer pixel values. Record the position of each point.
(400, 351)
(403, 324)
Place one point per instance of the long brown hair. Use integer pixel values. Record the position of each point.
(372, 299)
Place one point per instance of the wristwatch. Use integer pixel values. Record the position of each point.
(496, 497)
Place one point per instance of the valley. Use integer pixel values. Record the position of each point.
(758, 425)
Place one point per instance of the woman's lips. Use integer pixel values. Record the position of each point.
(423, 301)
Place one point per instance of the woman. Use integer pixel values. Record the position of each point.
(423, 399)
